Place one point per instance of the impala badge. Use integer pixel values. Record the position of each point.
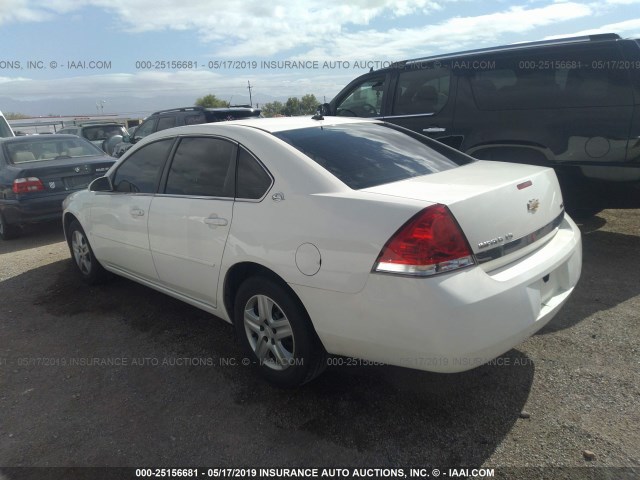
(533, 205)
(52, 185)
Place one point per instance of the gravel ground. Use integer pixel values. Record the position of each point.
(572, 387)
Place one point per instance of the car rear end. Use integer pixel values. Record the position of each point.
(482, 257)
(34, 185)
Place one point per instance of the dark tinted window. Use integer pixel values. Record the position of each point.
(422, 88)
(559, 77)
(141, 171)
(202, 167)
(102, 132)
(366, 155)
(253, 181)
(194, 119)
(166, 122)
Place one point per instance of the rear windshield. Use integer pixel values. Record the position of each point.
(365, 155)
(37, 150)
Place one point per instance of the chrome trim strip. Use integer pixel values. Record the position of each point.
(519, 243)
(413, 115)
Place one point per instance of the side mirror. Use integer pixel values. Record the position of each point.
(101, 184)
(324, 109)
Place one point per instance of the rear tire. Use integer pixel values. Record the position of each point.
(8, 232)
(276, 333)
(82, 255)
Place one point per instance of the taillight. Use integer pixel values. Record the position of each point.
(26, 185)
(431, 242)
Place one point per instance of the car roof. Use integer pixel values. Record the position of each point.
(270, 125)
(582, 39)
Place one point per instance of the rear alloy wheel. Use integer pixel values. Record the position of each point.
(276, 332)
(90, 269)
(8, 232)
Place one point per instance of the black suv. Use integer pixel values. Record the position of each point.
(572, 104)
(177, 117)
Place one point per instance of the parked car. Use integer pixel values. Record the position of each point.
(38, 171)
(98, 133)
(346, 236)
(571, 104)
(5, 128)
(177, 117)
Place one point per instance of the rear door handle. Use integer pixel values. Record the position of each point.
(136, 212)
(215, 221)
(434, 130)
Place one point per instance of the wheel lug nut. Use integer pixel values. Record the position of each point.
(274, 331)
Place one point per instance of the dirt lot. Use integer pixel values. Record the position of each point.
(120, 375)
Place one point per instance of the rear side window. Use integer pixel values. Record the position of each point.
(369, 154)
(141, 171)
(166, 122)
(421, 89)
(559, 77)
(202, 167)
(253, 181)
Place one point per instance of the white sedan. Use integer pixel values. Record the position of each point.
(334, 236)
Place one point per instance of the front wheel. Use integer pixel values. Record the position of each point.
(277, 334)
(8, 232)
(90, 269)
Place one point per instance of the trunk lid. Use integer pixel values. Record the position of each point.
(495, 203)
(64, 174)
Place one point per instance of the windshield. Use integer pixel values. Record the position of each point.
(49, 148)
(365, 155)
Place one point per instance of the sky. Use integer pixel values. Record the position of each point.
(91, 54)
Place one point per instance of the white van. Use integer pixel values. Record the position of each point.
(5, 128)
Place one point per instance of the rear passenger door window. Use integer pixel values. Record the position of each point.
(253, 180)
(203, 167)
(421, 89)
(166, 122)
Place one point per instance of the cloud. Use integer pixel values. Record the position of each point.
(283, 83)
(453, 34)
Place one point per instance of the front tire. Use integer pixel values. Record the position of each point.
(276, 333)
(82, 254)
(8, 232)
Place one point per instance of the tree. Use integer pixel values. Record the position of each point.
(272, 109)
(15, 116)
(307, 105)
(211, 101)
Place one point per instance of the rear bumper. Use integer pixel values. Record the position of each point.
(33, 210)
(452, 322)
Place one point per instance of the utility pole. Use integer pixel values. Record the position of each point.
(249, 87)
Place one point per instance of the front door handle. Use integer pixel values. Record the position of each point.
(215, 221)
(136, 212)
(434, 130)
